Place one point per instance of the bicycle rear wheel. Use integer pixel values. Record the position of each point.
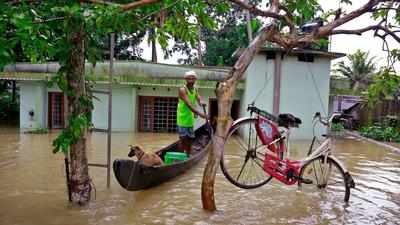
(328, 177)
(243, 157)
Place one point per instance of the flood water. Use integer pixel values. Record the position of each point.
(33, 190)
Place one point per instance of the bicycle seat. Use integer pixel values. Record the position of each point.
(288, 120)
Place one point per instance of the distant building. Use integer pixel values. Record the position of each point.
(145, 94)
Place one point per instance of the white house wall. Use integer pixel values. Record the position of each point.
(298, 96)
(33, 96)
(123, 112)
(259, 85)
(304, 91)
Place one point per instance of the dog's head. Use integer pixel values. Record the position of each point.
(135, 150)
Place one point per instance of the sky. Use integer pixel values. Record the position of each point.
(350, 43)
(347, 44)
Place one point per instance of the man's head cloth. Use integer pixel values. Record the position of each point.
(190, 73)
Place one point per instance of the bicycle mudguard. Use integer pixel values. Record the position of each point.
(241, 120)
(339, 163)
(348, 178)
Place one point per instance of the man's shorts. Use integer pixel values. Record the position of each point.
(186, 132)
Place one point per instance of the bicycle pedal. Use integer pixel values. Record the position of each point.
(306, 181)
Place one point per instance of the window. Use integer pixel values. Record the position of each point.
(270, 55)
(157, 114)
(56, 110)
(302, 57)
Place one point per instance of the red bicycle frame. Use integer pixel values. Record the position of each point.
(285, 170)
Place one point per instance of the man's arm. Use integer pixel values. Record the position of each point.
(185, 98)
(200, 100)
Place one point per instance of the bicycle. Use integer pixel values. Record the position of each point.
(263, 141)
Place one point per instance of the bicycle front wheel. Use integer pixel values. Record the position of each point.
(243, 157)
(326, 176)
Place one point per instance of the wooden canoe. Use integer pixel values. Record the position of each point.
(133, 175)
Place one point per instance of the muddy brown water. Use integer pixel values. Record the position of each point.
(33, 191)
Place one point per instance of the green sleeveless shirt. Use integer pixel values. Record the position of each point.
(185, 116)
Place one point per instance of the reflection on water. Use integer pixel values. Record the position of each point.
(32, 189)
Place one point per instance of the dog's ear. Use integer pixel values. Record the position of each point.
(131, 151)
(137, 147)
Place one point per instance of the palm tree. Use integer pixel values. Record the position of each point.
(360, 71)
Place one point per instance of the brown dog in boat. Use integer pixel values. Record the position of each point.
(148, 159)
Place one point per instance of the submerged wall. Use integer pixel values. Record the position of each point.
(125, 104)
(33, 98)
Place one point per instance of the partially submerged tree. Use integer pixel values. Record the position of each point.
(360, 71)
(285, 19)
(70, 31)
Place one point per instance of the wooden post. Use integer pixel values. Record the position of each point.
(112, 43)
(248, 23)
(277, 83)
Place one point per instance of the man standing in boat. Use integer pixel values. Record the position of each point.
(186, 112)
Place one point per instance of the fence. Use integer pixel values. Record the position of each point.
(383, 111)
(386, 110)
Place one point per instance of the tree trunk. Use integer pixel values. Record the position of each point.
(199, 52)
(225, 92)
(152, 36)
(75, 68)
(154, 50)
(356, 85)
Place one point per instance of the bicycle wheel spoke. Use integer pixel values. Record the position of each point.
(248, 175)
(242, 167)
(327, 176)
(257, 163)
(338, 182)
(242, 143)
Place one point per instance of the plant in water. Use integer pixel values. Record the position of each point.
(38, 131)
(381, 133)
(337, 127)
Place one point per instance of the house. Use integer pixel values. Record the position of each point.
(144, 95)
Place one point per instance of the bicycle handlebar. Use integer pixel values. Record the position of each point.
(261, 112)
(327, 122)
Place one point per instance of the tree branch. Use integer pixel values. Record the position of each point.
(325, 30)
(289, 42)
(374, 27)
(288, 18)
(267, 33)
(101, 2)
(48, 20)
(15, 2)
(269, 13)
(124, 7)
(137, 4)
(256, 11)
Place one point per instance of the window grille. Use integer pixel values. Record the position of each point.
(56, 110)
(157, 114)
